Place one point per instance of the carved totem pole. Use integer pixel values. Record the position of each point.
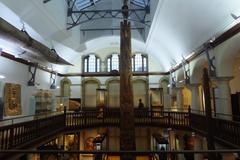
(127, 128)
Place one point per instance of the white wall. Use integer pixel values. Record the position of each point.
(17, 73)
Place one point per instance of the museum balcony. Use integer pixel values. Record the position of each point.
(22, 134)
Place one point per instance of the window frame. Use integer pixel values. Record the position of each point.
(86, 58)
(143, 56)
(110, 57)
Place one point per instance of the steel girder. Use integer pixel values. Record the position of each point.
(77, 17)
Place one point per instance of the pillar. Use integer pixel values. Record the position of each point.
(198, 146)
(223, 97)
(172, 96)
(228, 156)
(208, 112)
(127, 128)
(195, 106)
(166, 100)
(179, 98)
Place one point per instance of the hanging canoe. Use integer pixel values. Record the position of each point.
(23, 39)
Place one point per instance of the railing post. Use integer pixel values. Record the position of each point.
(169, 118)
(65, 116)
(11, 138)
(37, 127)
(189, 116)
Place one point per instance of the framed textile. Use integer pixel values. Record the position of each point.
(12, 99)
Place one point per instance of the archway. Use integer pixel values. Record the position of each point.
(89, 92)
(65, 87)
(140, 91)
(113, 95)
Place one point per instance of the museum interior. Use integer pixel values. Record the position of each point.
(119, 80)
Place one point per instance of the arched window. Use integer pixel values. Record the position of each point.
(139, 63)
(113, 62)
(91, 63)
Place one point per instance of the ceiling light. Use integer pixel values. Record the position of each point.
(181, 81)
(2, 77)
(236, 18)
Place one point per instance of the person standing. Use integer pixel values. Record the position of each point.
(140, 104)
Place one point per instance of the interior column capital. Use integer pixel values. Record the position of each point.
(221, 79)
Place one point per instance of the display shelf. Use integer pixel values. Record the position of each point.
(43, 101)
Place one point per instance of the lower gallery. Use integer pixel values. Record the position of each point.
(119, 80)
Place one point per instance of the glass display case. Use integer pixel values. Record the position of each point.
(101, 101)
(61, 102)
(43, 101)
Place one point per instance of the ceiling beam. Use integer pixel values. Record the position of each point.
(85, 16)
(107, 74)
(46, 1)
(219, 40)
(109, 29)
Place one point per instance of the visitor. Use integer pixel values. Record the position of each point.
(162, 156)
(140, 104)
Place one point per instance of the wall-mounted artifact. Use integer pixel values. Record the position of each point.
(12, 99)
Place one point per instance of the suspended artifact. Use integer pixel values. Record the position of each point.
(27, 43)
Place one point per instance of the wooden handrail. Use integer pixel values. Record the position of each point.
(19, 134)
(143, 152)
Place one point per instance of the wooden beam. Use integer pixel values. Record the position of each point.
(109, 74)
(226, 35)
(23, 39)
(23, 61)
(219, 40)
(127, 124)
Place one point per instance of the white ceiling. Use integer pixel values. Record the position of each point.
(178, 27)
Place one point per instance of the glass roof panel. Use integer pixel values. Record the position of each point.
(140, 3)
(82, 4)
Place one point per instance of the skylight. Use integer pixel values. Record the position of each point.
(83, 4)
(140, 3)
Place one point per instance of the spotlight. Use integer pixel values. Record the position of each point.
(2, 77)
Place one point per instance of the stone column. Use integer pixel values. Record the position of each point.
(166, 100)
(127, 128)
(223, 97)
(179, 98)
(195, 106)
(198, 146)
(172, 93)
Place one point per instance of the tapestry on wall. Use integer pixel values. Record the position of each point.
(12, 99)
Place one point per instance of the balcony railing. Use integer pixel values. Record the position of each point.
(86, 119)
(25, 133)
